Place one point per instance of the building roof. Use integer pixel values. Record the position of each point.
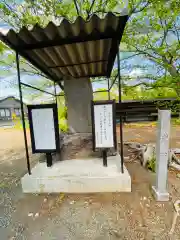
(78, 49)
(7, 97)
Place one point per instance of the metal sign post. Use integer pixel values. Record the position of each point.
(20, 84)
(104, 153)
(120, 118)
(55, 94)
(49, 159)
(22, 113)
(104, 127)
(109, 90)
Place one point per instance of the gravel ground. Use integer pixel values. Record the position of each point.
(147, 134)
(133, 215)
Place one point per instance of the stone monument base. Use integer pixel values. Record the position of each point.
(78, 176)
(80, 146)
(160, 196)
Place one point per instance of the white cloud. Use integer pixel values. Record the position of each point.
(122, 7)
(136, 73)
(4, 30)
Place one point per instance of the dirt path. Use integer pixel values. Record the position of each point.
(128, 216)
(14, 139)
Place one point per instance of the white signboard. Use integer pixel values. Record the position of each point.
(43, 128)
(103, 125)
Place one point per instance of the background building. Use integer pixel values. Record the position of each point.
(10, 107)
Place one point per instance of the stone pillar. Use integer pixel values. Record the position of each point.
(78, 94)
(162, 152)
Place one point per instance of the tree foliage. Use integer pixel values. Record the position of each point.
(155, 34)
(152, 32)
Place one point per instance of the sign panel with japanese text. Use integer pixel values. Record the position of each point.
(103, 124)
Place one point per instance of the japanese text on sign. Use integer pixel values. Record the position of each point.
(103, 121)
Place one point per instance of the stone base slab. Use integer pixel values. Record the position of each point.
(160, 196)
(78, 176)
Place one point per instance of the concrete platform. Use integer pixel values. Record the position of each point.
(78, 176)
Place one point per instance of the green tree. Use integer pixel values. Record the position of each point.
(153, 31)
(155, 35)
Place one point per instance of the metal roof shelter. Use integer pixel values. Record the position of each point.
(78, 49)
(71, 50)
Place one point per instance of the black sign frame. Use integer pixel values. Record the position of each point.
(104, 102)
(56, 127)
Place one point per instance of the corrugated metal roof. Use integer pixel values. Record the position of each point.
(79, 49)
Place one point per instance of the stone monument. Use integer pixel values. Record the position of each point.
(162, 152)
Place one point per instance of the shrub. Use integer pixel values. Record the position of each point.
(18, 123)
(151, 165)
(62, 112)
(62, 116)
(63, 125)
(176, 121)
